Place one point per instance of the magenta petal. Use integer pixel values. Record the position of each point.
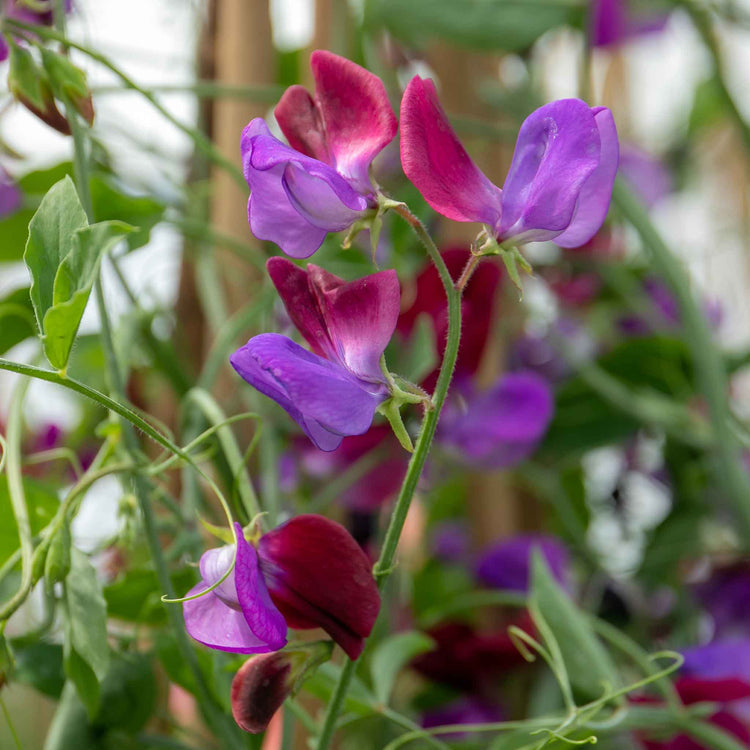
(359, 121)
(301, 122)
(557, 150)
(361, 316)
(320, 577)
(593, 201)
(243, 621)
(325, 400)
(438, 165)
(293, 285)
(325, 202)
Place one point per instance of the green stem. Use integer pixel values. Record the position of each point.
(384, 566)
(709, 735)
(202, 143)
(709, 365)
(205, 89)
(18, 499)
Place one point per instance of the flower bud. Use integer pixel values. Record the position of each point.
(265, 681)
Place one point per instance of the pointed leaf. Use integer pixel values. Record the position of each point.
(16, 319)
(391, 656)
(588, 664)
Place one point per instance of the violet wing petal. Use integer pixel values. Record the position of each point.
(438, 165)
(609, 22)
(319, 198)
(321, 396)
(358, 118)
(506, 565)
(557, 151)
(271, 215)
(361, 316)
(719, 660)
(596, 193)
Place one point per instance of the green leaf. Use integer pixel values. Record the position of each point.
(589, 666)
(70, 726)
(510, 25)
(16, 319)
(86, 655)
(391, 656)
(42, 503)
(41, 666)
(62, 254)
(141, 212)
(359, 700)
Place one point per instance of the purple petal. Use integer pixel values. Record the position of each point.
(243, 621)
(359, 121)
(502, 426)
(321, 396)
(558, 149)
(290, 191)
(646, 175)
(360, 315)
(506, 565)
(596, 194)
(321, 201)
(4, 51)
(438, 165)
(608, 22)
(719, 660)
(10, 195)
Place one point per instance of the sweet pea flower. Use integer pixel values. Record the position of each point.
(334, 390)
(319, 183)
(501, 426)
(560, 180)
(18, 10)
(306, 573)
(611, 23)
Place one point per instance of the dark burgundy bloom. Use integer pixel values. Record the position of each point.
(462, 711)
(377, 485)
(507, 564)
(560, 180)
(334, 390)
(470, 660)
(306, 573)
(319, 183)
(476, 305)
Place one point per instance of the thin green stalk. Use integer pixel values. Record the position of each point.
(18, 499)
(384, 566)
(202, 143)
(709, 735)
(709, 365)
(205, 90)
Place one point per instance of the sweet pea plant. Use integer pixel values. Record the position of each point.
(348, 511)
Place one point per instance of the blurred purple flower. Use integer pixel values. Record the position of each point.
(451, 542)
(20, 11)
(501, 426)
(507, 564)
(726, 596)
(560, 180)
(10, 194)
(320, 182)
(461, 711)
(647, 175)
(334, 390)
(306, 573)
(611, 23)
(719, 660)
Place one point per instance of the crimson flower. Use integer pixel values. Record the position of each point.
(306, 573)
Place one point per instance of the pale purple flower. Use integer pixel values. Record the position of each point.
(307, 573)
(466, 710)
(499, 427)
(334, 390)
(611, 23)
(648, 176)
(319, 183)
(507, 564)
(10, 195)
(21, 12)
(560, 180)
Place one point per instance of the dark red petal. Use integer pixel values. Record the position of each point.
(301, 123)
(294, 289)
(694, 690)
(319, 576)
